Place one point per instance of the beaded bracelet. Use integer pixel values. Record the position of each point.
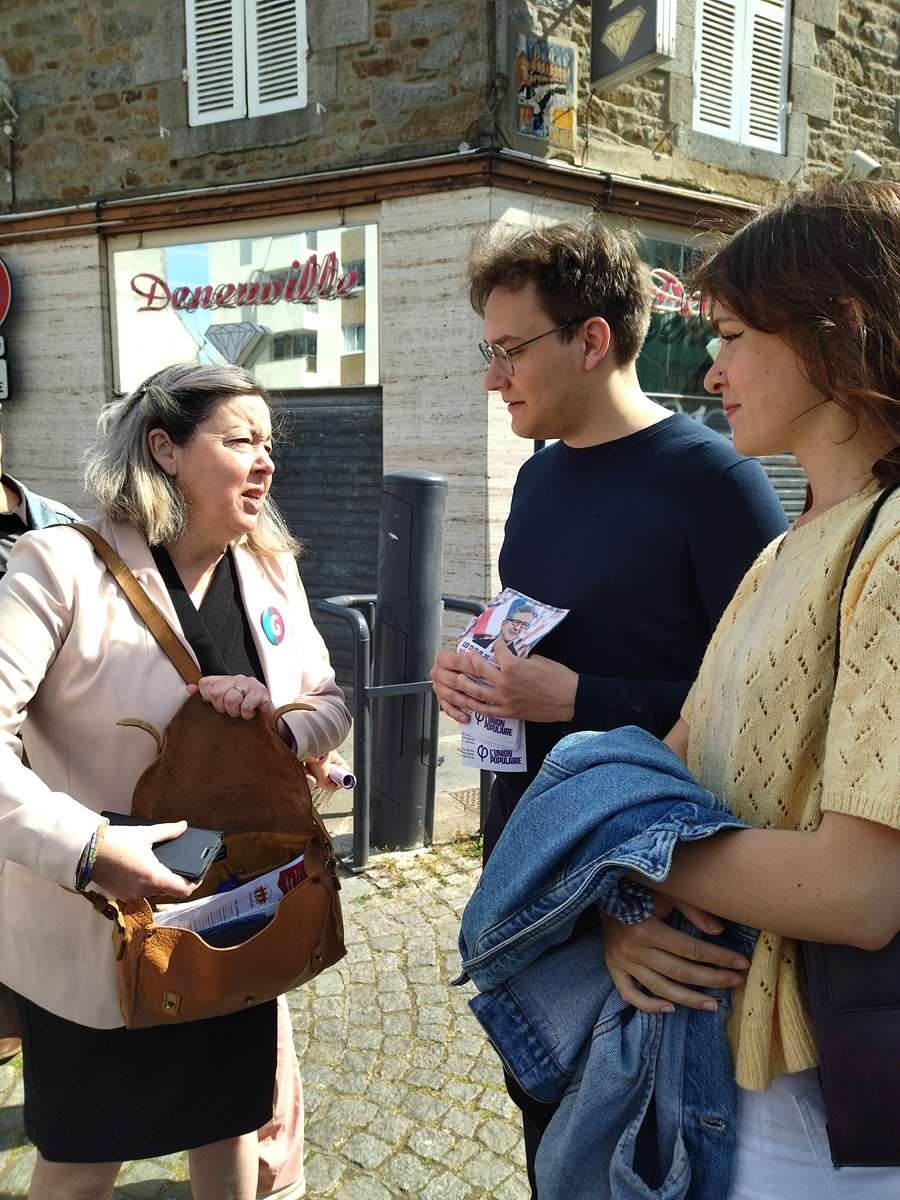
(85, 869)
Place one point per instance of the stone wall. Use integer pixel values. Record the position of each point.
(103, 106)
(843, 89)
(862, 57)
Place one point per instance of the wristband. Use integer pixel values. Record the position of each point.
(85, 870)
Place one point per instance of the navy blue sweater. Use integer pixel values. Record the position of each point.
(645, 539)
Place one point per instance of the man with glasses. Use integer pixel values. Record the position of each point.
(639, 521)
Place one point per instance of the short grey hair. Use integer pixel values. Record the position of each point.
(127, 482)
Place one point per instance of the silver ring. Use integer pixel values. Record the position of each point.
(236, 687)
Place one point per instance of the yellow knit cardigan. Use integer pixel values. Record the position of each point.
(772, 735)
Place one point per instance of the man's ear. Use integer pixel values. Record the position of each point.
(162, 451)
(597, 338)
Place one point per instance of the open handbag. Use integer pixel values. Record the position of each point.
(240, 777)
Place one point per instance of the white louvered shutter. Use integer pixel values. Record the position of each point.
(720, 25)
(217, 89)
(765, 75)
(276, 56)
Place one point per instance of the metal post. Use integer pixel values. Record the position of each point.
(341, 607)
(407, 636)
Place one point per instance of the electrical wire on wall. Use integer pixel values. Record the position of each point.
(9, 118)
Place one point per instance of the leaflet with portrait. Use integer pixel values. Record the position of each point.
(493, 743)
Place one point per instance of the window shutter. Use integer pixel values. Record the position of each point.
(716, 100)
(766, 70)
(215, 60)
(276, 56)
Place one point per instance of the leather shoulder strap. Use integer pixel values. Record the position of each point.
(143, 605)
(861, 539)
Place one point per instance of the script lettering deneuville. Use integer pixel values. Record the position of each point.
(305, 283)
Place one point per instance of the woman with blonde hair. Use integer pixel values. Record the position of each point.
(181, 472)
(806, 303)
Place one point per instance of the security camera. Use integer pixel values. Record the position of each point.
(860, 166)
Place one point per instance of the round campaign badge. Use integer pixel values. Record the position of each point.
(273, 626)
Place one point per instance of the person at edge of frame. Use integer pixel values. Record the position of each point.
(638, 520)
(181, 470)
(806, 304)
(20, 510)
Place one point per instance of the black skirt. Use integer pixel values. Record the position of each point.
(111, 1095)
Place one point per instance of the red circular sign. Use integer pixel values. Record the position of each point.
(5, 291)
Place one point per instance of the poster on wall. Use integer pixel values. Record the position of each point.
(629, 38)
(546, 82)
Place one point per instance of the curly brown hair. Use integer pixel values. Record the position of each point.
(579, 270)
(822, 269)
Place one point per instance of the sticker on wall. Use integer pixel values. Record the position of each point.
(546, 89)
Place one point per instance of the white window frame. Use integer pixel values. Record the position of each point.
(257, 61)
(735, 97)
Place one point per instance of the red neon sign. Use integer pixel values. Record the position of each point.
(305, 283)
(5, 291)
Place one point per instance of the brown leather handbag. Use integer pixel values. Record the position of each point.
(240, 777)
(854, 1000)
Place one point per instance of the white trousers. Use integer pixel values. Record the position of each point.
(782, 1151)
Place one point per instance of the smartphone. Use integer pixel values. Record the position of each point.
(189, 855)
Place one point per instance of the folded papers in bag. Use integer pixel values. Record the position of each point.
(249, 902)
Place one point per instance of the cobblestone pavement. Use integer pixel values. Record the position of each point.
(403, 1095)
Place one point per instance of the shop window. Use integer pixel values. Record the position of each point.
(244, 58)
(296, 343)
(359, 266)
(354, 338)
(740, 71)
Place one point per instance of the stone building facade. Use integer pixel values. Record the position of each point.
(416, 125)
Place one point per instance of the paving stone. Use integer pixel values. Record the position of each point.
(447, 1187)
(363, 1188)
(428, 1110)
(486, 1170)
(366, 1150)
(351, 1114)
(431, 1143)
(498, 1136)
(462, 1121)
(407, 1173)
(516, 1187)
(323, 1172)
(497, 1102)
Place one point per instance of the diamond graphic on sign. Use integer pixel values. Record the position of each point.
(620, 35)
(234, 342)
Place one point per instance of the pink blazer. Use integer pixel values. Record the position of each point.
(74, 659)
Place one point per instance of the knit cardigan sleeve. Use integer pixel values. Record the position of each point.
(862, 749)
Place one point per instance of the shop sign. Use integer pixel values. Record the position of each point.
(305, 283)
(5, 305)
(629, 38)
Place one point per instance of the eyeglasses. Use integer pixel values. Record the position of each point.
(520, 625)
(494, 353)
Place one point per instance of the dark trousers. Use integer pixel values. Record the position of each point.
(536, 1117)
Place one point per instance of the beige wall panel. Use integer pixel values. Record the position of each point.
(58, 356)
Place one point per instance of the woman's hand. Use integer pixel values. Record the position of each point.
(664, 960)
(235, 696)
(317, 770)
(127, 868)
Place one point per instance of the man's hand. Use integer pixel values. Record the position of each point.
(534, 689)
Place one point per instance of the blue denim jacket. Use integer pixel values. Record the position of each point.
(39, 511)
(647, 1103)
